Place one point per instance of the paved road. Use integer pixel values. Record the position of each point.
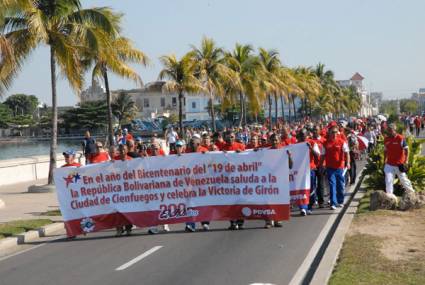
(253, 255)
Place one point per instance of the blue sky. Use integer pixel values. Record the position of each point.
(384, 40)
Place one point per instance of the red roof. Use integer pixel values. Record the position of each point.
(357, 77)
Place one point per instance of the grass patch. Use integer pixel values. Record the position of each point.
(16, 227)
(52, 213)
(361, 262)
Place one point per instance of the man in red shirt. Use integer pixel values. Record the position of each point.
(254, 142)
(320, 170)
(231, 144)
(101, 155)
(417, 122)
(286, 139)
(123, 150)
(314, 162)
(396, 153)
(336, 155)
(69, 156)
(218, 140)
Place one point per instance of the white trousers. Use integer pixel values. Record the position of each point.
(390, 172)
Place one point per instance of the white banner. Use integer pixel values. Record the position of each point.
(174, 189)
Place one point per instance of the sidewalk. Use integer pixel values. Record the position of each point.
(21, 205)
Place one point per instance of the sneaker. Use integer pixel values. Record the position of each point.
(333, 207)
(166, 228)
(153, 231)
(303, 212)
(268, 225)
(278, 224)
(233, 227)
(206, 227)
(309, 212)
(189, 228)
(240, 226)
(340, 205)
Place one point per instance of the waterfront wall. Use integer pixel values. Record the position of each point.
(18, 170)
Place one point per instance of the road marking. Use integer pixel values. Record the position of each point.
(137, 259)
(20, 252)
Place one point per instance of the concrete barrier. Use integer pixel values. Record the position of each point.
(13, 171)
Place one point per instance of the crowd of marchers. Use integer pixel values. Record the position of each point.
(334, 148)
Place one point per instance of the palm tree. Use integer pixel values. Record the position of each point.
(124, 108)
(270, 83)
(114, 55)
(60, 24)
(212, 71)
(329, 87)
(181, 79)
(247, 68)
(309, 86)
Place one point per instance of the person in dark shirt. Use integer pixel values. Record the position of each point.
(132, 152)
(89, 146)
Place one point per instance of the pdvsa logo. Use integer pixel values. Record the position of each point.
(87, 225)
(247, 212)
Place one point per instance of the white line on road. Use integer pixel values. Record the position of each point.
(22, 251)
(137, 259)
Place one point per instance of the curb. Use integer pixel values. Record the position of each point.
(29, 236)
(314, 259)
(329, 259)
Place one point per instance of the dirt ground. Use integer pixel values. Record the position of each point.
(403, 232)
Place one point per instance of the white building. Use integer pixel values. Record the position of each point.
(153, 102)
(95, 92)
(420, 98)
(357, 81)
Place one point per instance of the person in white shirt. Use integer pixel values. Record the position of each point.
(171, 138)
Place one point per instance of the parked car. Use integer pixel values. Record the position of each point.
(143, 128)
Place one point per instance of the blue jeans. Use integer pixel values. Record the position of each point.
(336, 185)
(312, 192)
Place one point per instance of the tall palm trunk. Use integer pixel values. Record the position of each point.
(54, 134)
(295, 110)
(275, 108)
(212, 112)
(241, 111)
(109, 106)
(289, 108)
(283, 108)
(181, 114)
(245, 109)
(270, 113)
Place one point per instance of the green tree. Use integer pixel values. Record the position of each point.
(5, 115)
(65, 28)
(212, 71)
(124, 108)
(89, 116)
(388, 107)
(409, 106)
(181, 79)
(22, 104)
